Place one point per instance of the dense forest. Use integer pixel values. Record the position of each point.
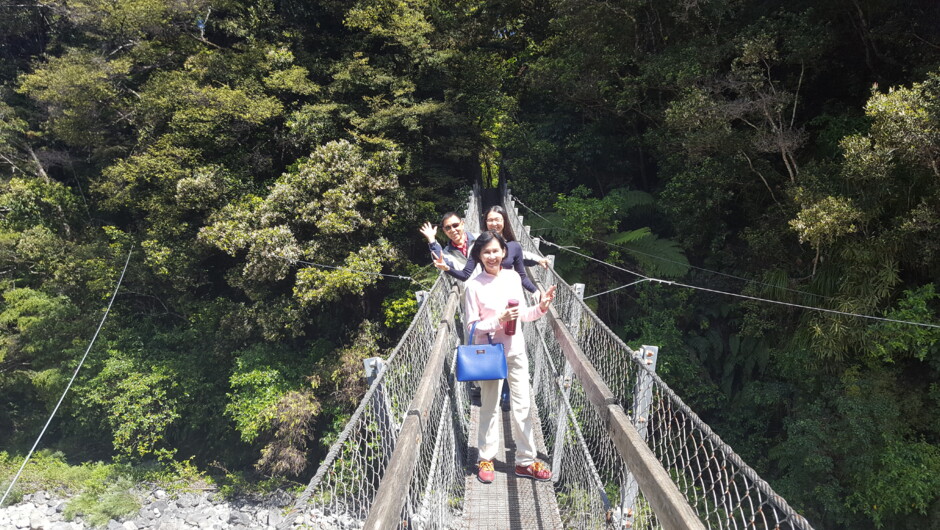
(779, 150)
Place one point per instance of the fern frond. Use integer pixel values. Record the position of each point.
(626, 237)
(661, 257)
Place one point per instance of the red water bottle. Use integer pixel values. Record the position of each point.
(510, 326)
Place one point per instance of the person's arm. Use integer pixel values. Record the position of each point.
(435, 248)
(518, 266)
(531, 259)
(464, 275)
(536, 311)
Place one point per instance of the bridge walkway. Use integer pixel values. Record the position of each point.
(509, 502)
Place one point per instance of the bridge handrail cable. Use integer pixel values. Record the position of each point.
(619, 366)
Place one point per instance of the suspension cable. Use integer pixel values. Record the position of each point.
(74, 375)
(703, 269)
(336, 267)
(739, 295)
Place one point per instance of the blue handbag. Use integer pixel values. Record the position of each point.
(480, 362)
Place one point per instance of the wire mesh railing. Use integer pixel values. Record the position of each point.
(593, 485)
(341, 493)
(718, 485)
(580, 492)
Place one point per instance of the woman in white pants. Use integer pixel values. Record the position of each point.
(486, 300)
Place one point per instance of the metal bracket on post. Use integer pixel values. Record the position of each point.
(372, 365)
(422, 297)
(642, 402)
(562, 420)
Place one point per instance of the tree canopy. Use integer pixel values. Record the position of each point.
(266, 161)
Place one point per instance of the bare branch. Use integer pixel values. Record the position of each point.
(796, 97)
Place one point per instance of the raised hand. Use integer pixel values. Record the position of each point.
(547, 298)
(439, 261)
(429, 231)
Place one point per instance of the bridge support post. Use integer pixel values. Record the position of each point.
(383, 407)
(642, 401)
(561, 426)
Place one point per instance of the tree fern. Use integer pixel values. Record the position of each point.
(657, 256)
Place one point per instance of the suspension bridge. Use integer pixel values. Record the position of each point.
(625, 451)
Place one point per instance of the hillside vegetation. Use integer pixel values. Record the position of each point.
(781, 150)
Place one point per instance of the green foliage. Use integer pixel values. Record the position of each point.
(399, 311)
(895, 341)
(588, 218)
(825, 221)
(228, 143)
(48, 471)
(32, 326)
(140, 406)
(80, 92)
(34, 202)
(132, 20)
(257, 387)
(106, 500)
(905, 480)
(195, 112)
(339, 190)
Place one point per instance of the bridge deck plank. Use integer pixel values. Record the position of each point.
(509, 502)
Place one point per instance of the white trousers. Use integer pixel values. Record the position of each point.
(522, 433)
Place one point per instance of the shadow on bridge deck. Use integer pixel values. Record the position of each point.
(509, 502)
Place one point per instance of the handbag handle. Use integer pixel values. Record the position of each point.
(473, 328)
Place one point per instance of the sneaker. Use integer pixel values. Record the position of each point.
(535, 470)
(486, 474)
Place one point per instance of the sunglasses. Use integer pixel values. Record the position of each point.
(451, 226)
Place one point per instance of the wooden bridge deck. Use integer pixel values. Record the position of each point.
(509, 502)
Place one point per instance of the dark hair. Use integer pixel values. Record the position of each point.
(448, 215)
(508, 235)
(484, 240)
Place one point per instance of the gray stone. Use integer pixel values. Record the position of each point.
(194, 518)
(114, 525)
(186, 500)
(275, 518)
(40, 497)
(239, 518)
(223, 512)
(160, 494)
(129, 525)
(159, 506)
(38, 519)
(19, 519)
(61, 525)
